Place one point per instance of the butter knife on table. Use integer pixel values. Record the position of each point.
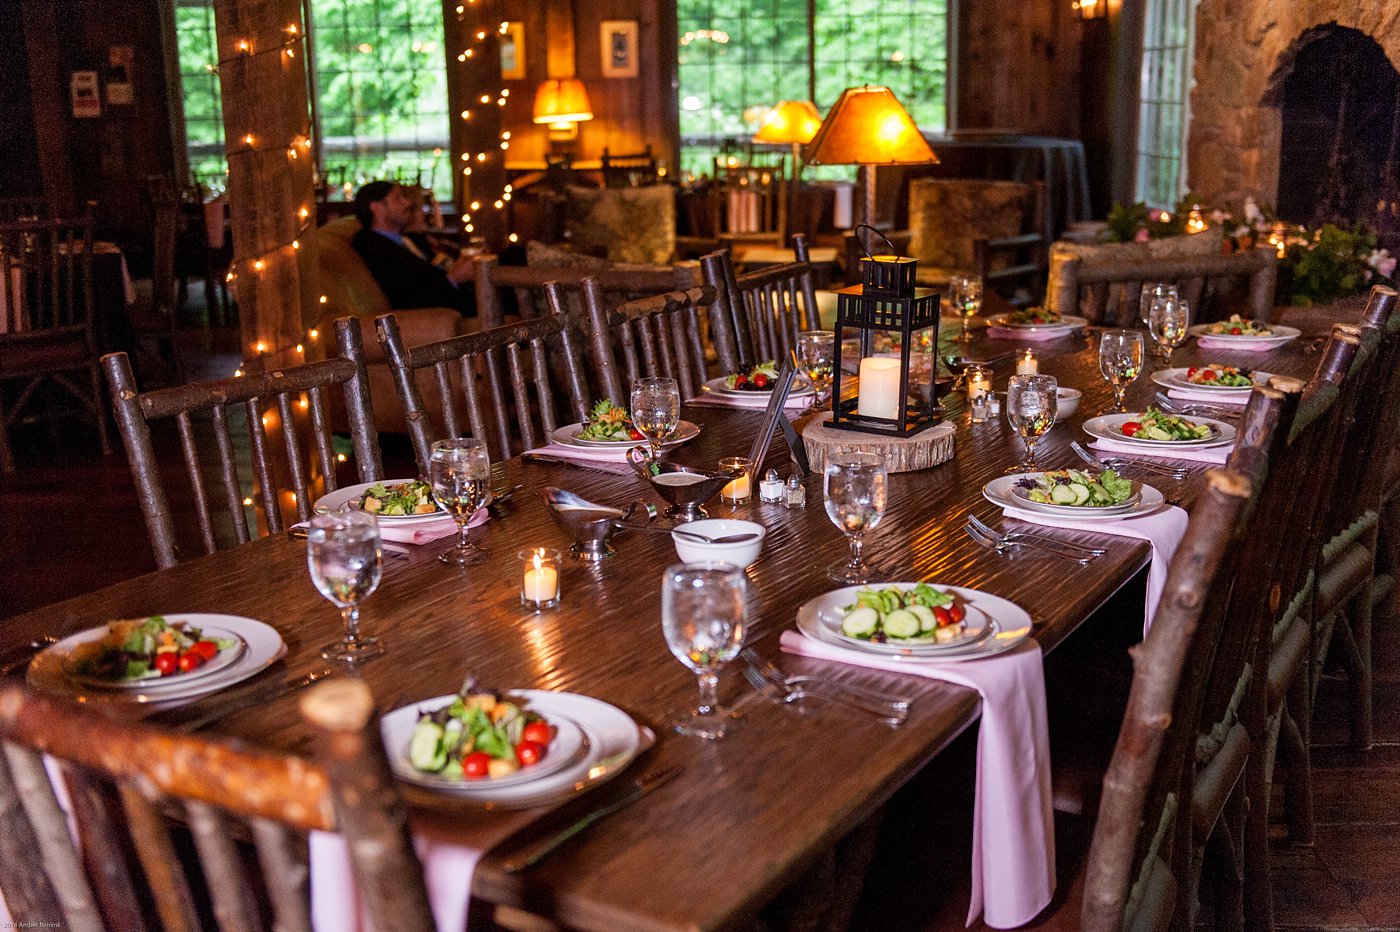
(540, 848)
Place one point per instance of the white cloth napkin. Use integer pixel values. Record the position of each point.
(1237, 344)
(755, 402)
(422, 532)
(1034, 336)
(606, 459)
(1163, 529)
(1214, 397)
(1217, 455)
(1013, 828)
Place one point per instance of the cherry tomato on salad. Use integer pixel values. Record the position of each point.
(205, 650)
(1191, 372)
(190, 661)
(760, 381)
(958, 613)
(1209, 375)
(942, 616)
(635, 434)
(528, 753)
(476, 764)
(1236, 331)
(538, 732)
(167, 662)
(1130, 427)
(740, 380)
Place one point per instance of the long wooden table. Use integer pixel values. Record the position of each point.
(748, 812)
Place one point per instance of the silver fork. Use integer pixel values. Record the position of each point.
(1000, 544)
(1013, 536)
(1118, 462)
(885, 712)
(1198, 408)
(816, 684)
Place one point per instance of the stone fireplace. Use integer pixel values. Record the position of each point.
(1295, 105)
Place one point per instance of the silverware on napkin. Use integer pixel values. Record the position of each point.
(252, 697)
(540, 848)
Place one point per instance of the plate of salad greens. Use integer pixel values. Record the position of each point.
(1244, 333)
(756, 381)
(395, 501)
(1014, 492)
(609, 427)
(1154, 428)
(1038, 320)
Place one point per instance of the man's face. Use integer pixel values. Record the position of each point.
(393, 212)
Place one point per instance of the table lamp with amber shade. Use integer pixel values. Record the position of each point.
(794, 122)
(562, 103)
(869, 127)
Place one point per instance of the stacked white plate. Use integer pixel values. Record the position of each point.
(349, 497)
(593, 743)
(1110, 427)
(1002, 492)
(992, 625)
(752, 398)
(1277, 336)
(1068, 324)
(1176, 378)
(569, 434)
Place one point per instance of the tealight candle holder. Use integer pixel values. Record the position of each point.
(741, 488)
(539, 578)
(979, 382)
(1027, 364)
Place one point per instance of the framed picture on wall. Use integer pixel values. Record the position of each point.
(513, 52)
(618, 38)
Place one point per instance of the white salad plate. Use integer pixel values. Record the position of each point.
(1176, 378)
(1068, 324)
(717, 386)
(262, 646)
(1000, 493)
(608, 740)
(568, 434)
(1110, 427)
(994, 625)
(1023, 500)
(1278, 337)
(349, 497)
(222, 660)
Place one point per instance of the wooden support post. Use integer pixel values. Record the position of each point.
(475, 99)
(271, 195)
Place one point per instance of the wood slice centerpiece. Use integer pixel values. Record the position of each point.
(901, 454)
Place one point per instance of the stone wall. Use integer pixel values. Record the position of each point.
(1234, 142)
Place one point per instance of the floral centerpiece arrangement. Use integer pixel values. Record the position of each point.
(1315, 266)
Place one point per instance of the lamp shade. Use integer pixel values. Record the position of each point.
(562, 100)
(790, 121)
(868, 126)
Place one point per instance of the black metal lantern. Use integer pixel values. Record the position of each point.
(893, 326)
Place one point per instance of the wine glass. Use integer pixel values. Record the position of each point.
(1149, 294)
(816, 359)
(1120, 360)
(343, 554)
(459, 472)
(704, 612)
(1167, 323)
(1031, 401)
(854, 488)
(966, 298)
(656, 410)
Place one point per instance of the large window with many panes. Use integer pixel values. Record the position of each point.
(1164, 111)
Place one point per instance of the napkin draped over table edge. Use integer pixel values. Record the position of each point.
(1211, 397)
(1242, 346)
(1215, 455)
(1013, 834)
(423, 532)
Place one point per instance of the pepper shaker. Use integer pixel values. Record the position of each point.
(795, 496)
(770, 490)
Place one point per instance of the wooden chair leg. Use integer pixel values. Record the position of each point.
(1258, 894)
(7, 456)
(1293, 752)
(100, 409)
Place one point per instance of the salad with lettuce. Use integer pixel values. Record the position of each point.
(608, 422)
(145, 648)
(1078, 488)
(921, 614)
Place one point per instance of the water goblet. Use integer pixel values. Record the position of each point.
(854, 488)
(459, 472)
(1031, 402)
(344, 556)
(966, 298)
(704, 613)
(815, 355)
(656, 410)
(1150, 293)
(1120, 361)
(1169, 319)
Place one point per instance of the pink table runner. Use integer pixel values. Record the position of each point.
(1163, 529)
(1013, 830)
(1216, 455)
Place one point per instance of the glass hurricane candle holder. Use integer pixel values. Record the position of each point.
(540, 584)
(741, 488)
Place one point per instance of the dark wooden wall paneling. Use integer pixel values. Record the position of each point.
(1018, 66)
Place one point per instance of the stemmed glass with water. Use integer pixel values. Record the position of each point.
(855, 487)
(1120, 361)
(1150, 293)
(815, 355)
(965, 294)
(1168, 322)
(1031, 404)
(704, 612)
(459, 472)
(656, 410)
(345, 559)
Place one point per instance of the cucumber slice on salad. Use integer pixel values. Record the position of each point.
(426, 750)
(860, 622)
(927, 621)
(902, 623)
(1062, 495)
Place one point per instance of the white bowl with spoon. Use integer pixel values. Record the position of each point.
(740, 553)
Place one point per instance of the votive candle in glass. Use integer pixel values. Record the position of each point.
(739, 489)
(878, 393)
(539, 578)
(1027, 364)
(979, 382)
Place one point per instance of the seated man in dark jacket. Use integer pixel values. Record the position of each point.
(408, 278)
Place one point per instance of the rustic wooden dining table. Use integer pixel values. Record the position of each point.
(746, 813)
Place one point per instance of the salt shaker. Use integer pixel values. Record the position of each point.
(795, 496)
(770, 489)
(979, 407)
(993, 406)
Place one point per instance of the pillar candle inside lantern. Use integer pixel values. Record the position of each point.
(879, 388)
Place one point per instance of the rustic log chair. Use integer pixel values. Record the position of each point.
(153, 323)
(127, 782)
(1082, 287)
(666, 326)
(46, 304)
(479, 364)
(258, 393)
(759, 313)
(527, 285)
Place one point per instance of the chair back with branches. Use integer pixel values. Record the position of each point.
(759, 313)
(656, 336)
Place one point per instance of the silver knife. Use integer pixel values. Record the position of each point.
(252, 698)
(541, 848)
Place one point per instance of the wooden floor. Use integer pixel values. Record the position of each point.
(69, 525)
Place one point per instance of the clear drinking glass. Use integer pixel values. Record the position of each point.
(854, 489)
(1168, 321)
(704, 612)
(459, 472)
(343, 554)
(1031, 402)
(816, 359)
(656, 410)
(1120, 361)
(1149, 294)
(966, 298)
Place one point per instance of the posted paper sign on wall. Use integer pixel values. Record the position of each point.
(83, 89)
